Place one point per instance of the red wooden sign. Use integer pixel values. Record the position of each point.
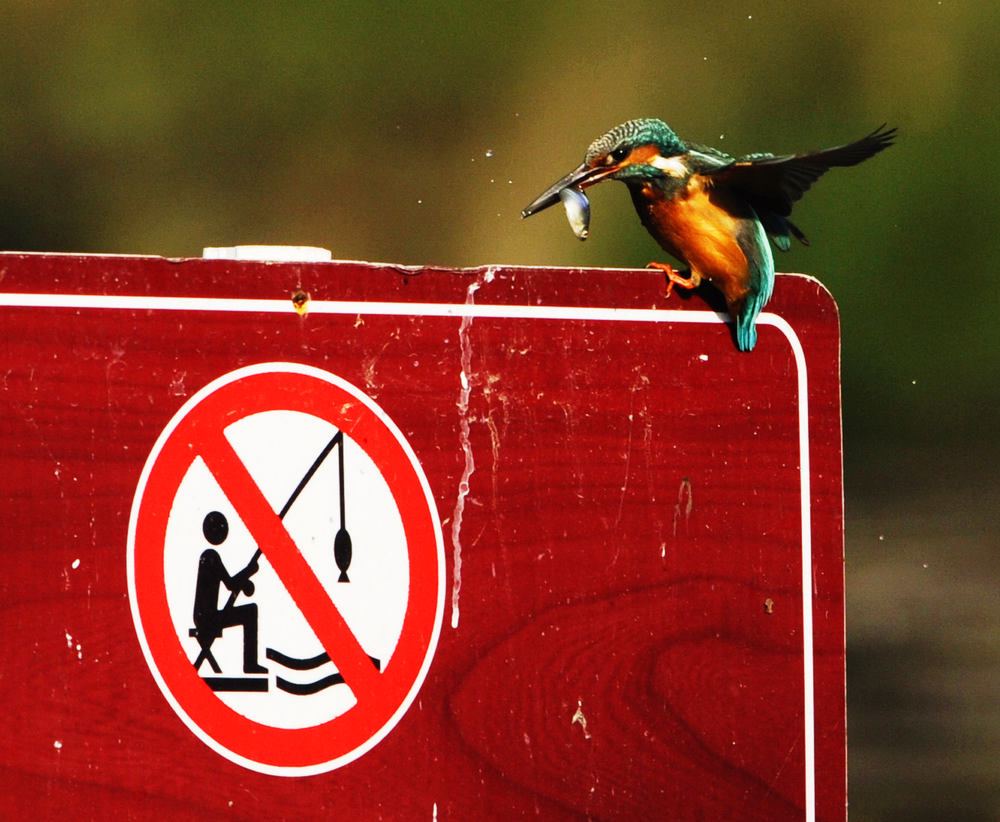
(640, 611)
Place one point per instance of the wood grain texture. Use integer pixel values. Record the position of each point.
(630, 634)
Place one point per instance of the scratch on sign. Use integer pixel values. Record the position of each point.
(580, 719)
(465, 346)
(683, 505)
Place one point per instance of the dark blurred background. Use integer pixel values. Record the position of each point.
(415, 132)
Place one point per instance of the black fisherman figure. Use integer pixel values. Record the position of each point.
(209, 620)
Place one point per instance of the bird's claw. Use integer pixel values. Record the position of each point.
(674, 277)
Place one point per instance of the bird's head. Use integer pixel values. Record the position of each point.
(636, 150)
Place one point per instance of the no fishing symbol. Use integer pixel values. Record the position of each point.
(286, 569)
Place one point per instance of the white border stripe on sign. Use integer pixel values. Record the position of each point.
(537, 312)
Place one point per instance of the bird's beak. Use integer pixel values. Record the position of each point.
(579, 178)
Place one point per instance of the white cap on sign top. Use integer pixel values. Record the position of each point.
(270, 253)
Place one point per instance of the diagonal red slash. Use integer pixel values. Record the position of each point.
(303, 586)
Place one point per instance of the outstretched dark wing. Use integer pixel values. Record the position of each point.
(774, 184)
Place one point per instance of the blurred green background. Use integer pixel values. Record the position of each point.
(415, 132)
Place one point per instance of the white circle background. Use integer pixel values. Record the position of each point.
(278, 447)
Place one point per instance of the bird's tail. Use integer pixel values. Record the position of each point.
(761, 263)
(746, 322)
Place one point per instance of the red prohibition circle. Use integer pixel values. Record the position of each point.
(382, 697)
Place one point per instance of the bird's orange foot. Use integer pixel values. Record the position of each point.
(674, 277)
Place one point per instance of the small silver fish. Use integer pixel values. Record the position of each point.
(577, 211)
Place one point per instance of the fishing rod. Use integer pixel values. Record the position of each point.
(339, 541)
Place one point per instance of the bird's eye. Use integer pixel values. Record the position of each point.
(618, 154)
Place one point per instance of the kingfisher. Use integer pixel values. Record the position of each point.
(709, 210)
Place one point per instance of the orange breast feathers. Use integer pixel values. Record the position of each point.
(694, 227)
